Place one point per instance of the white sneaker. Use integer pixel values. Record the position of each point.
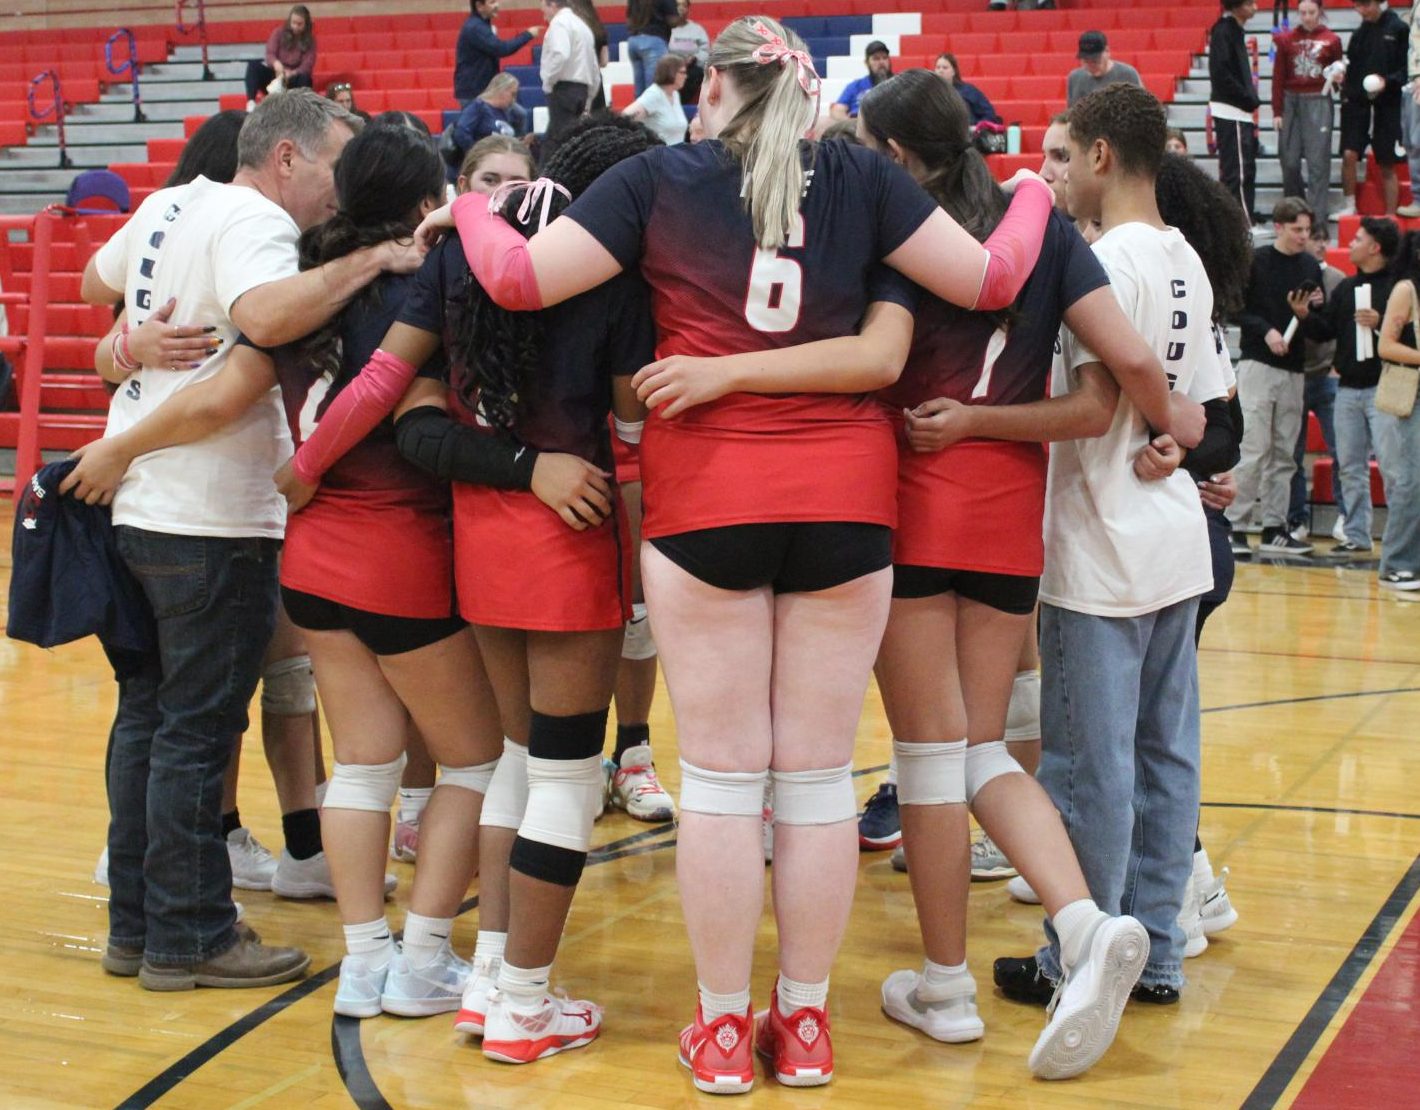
(1085, 1012)
(309, 878)
(945, 1013)
(1215, 909)
(101, 868)
(251, 106)
(988, 862)
(1190, 920)
(252, 865)
(404, 848)
(1338, 530)
(436, 988)
(1301, 533)
(473, 1011)
(358, 995)
(1348, 207)
(767, 818)
(1021, 891)
(633, 786)
(517, 1037)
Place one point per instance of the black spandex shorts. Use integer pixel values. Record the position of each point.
(790, 557)
(1010, 593)
(382, 634)
(1374, 123)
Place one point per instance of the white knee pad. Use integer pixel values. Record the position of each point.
(722, 793)
(985, 762)
(930, 774)
(1023, 716)
(638, 644)
(475, 778)
(288, 687)
(372, 787)
(562, 801)
(819, 797)
(507, 796)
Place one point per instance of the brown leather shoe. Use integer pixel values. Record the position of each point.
(248, 963)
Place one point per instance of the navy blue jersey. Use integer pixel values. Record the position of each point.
(966, 357)
(583, 343)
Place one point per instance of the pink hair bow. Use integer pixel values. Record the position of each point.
(537, 191)
(775, 49)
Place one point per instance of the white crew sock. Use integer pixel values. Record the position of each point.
(523, 988)
(794, 995)
(940, 975)
(714, 1005)
(412, 801)
(424, 937)
(490, 947)
(1202, 868)
(1075, 925)
(371, 941)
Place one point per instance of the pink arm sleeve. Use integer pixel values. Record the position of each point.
(1014, 246)
(362, 404)
(497, 254)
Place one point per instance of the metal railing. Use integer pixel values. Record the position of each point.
(129, 65)
(55, 108)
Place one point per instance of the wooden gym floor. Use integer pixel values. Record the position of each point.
(1311, 685)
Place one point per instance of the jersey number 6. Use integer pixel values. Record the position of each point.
(776, 286)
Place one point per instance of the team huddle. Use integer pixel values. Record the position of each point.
(832, 367)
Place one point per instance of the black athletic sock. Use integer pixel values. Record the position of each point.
(302, 832)
(628, 736)
(231, 822)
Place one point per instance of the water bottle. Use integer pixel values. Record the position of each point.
(1013, 139)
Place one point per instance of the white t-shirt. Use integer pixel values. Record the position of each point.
(664, 115)
(1115, 545)
(205, 244)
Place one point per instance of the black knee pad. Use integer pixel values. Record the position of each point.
(577, 737)
(546, 862)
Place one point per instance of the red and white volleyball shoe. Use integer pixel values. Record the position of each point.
(718, 1053)
(799, 1047)
(519, 1036)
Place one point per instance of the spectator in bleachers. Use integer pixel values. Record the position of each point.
(1398, 437)
(976, 101)
(689, 40)
(1374, 245)
(1176, 143)
(569, 71)
(1270, 386)
(1232, 102)
(486, 114)
(1302, 105)
(659, 106)
(1097, 69)
(211, 151)
(1370, 99)
(290, 55)
(1410, 118)
(879, 62)
(648, 29)
(587, 13)
(343, 93)
(479, 50)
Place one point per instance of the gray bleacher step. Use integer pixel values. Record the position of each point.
(38, 180)
(156, 92)
(192, 71)
(110, 134)
(158, 111)
(44, 157)
(26, 204)
(230, 51)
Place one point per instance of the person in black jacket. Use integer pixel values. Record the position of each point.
(1370, 116)
(480, 50)
(1233, 101)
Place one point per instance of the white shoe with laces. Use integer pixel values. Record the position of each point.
(309, 878)
(634, 787)
(988, 862)
(435, 988)
(1215, 909)
(1021, 891)
(1190, 920)
(945, 1013)
(361, 985)
(1085, 1012)
(473, 1012)
(253, 866)
(519, 1037)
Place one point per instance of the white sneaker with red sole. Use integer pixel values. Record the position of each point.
(519, 1037)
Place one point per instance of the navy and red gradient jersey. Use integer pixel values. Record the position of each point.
(676, 213)
(958, 354)
(584, 342)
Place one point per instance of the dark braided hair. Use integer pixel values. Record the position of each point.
(1192, 201)
(500, 348)
(382, 176)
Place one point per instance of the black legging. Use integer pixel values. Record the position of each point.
(259, 75)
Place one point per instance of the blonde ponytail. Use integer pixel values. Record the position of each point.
(774, 75)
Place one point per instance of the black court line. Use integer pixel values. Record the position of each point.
(1289, 1061)
(1313, 697)
(1335, 810)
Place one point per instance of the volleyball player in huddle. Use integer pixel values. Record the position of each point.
(547, 591)
(767, 566)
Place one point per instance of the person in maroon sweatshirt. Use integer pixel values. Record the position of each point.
(1302, 108)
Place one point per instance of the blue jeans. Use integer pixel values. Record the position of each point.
(1410, 134)
(169, 874)
(1119, 758)
(1355, 439)
(1224, 567)
(1398, 452)
(1319, 397)
(644, 51)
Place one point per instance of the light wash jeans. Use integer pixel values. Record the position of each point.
(1355, 418)
(1410, 136)
(1119, 758)
(1398, 452)
(644, 51)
